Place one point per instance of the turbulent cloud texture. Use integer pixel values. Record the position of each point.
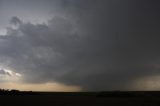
(98, 45)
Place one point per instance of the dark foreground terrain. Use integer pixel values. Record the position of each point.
(80, 99)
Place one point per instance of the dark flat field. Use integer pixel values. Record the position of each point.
(81, 99)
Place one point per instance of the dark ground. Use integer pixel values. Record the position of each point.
(80, 99)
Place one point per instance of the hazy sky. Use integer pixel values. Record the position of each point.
(80, 45)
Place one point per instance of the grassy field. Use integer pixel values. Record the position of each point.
(81, 99)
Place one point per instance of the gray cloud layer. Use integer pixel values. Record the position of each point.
(99, 45)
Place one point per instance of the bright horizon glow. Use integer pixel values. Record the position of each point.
(54, 87)
(13, 80)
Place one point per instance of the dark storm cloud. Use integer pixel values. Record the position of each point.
(15, 21)
(99, 45)
(2, 72)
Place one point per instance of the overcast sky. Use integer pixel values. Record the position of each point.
(80, 45)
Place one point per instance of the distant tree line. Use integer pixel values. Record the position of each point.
(7, 90)
(15, 92)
